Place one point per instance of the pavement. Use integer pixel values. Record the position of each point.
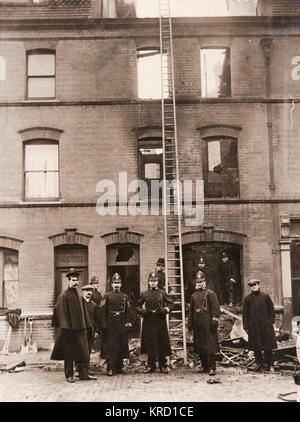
(42, 380)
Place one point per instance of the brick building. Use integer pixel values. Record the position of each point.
(75, 110)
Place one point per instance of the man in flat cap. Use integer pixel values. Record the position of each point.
(258, 320)
(115, 321)
(203, 320)
(160, 268)
(94, 315)
(71, 319)
(153, 305)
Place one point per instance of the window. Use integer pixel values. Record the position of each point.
(151, 161)
(221, 176)
(2, 69)
(41, 74)
(215, 72)
(24, 2)
(149, 73)
(41, 176)
(9, 278)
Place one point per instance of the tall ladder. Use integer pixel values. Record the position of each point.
(172, 219)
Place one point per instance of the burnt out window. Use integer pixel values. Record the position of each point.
(149, 73)
(221, 173)
(150, 161)
(215, 72)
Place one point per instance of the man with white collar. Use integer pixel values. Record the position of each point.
(258, 320)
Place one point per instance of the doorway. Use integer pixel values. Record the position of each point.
(67, 257)
(211, 252)
(125, 260)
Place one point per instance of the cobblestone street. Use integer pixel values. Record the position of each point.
(40, 385)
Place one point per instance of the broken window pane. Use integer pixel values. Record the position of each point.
(221, 169)
(149, 74)
(215, 72)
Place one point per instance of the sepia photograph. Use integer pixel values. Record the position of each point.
(149, 203)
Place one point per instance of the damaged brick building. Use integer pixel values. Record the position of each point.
(76, 109)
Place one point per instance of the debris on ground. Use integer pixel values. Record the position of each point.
(10, 367)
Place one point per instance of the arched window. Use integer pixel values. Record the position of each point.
(2, 69)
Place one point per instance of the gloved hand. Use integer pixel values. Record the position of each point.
(96, 335)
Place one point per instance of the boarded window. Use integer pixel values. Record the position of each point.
(41, 170)
(215, 72)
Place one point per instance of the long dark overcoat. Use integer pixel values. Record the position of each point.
(71, 319)
(203, 307)
(115, 339)
(258, 319)
(155, 339)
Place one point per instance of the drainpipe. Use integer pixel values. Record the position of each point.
(266, 45)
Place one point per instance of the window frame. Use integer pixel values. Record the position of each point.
(151, 48)
(149, 142)
(40, 141)
(40, 51)
(230, 76)
(205, 165)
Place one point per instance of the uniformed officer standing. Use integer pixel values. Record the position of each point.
(115, 324)
(96, 295)
(155, 340)
(160, 267)
(203, 321)
(229, 279)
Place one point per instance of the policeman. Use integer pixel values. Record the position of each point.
(153, 306)
(96, 295)
(229, 278)
(115, 315)
(203, 321)
(160, 268)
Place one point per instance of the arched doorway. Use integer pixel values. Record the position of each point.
(70, 251)
(67, 257)
(210, 243)
(211, 254)
(123, 257)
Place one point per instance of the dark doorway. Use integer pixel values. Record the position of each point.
(295, 264)
(67, 257)
(211, 252)
(125, 260)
